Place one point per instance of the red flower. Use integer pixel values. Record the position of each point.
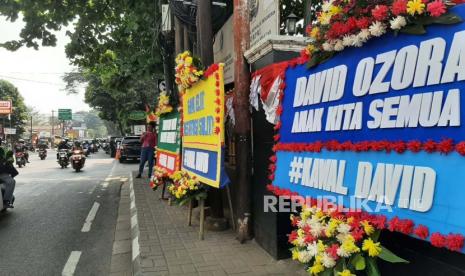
(308, 29)
(436, 8)
(332, 251)
(271, 177)
(351, 24)
(393, 224)
(454, 242)
(445, 146)
(363, 23)
(217, 110)
(399, 147)
(460, 148)
(357, 233)
(277, 126)
(276, 137)
(295, 220)
(293, 236)
(379, 221)
(272, 167)
(421, 231)
(399, 7)
(380, 12)
(273, 158)
(217, 119)
(406, 226)
(429, 146)
(217, 130)
(279, 110)
(438, 240)
(414, 146)
(309, 239)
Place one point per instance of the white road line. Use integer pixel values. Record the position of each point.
(71, 264)
(90, 217)
(105, 184)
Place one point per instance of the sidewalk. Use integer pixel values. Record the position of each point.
(169, 247)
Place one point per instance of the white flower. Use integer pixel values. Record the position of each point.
(315, 229)
(341, 237)
(356, 41)
(342, 253)
(338, 45)
(326, 6)
(304, 256)
(347, 40)
(328, 261)
(300, 241)
(328, 47)
(377, 28)
(364, 35)
(398, 22)
(312, 249)
(343, 228)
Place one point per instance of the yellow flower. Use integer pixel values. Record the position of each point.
(345, 272)
(295, 254)
(188, 61)
(348, 245)
(335, 10)
(332, 227)
(315, 32)
(367, 227)
(324, 18)
(316, 268)
(372, 247)
(310, 48)
(415, 6)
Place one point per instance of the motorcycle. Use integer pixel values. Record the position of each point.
(85, 148)
(63, 158)
(42, 154)
(20, 159)
(2, 191)
(78, 160)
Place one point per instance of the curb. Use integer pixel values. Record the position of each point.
(136, 259)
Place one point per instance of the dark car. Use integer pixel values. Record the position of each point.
(130, 148)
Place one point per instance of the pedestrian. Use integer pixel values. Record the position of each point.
(148, 141)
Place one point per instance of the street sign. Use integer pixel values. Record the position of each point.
(139, 129)
(137, 115)
(65, 115)
(5, 107)
(10, 131)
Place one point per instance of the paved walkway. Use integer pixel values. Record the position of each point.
(169, 247)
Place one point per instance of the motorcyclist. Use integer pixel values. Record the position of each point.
(7, 174)
(21, 147)
(63, 145)
(77, 146)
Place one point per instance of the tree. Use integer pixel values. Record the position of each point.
(9, 92)
(114, 45)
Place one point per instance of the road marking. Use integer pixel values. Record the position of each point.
(135, 248)
(71, 264)
(90, 217)
(105, 185)
(92, 190)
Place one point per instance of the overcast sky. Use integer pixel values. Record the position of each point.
(37, 74)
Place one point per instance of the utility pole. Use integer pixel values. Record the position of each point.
(241, 109)
(31, 129)
(53, 124)
(205, 33)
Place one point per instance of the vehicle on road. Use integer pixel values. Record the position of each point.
(78, 160)
(63, 158)
(42, 153)
(130, 148)
(2, 191)
(20, 159)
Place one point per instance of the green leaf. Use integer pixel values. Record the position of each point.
(372, 267)
(375, 235)
(447, 19)
(358, 261)
(327, 272)
(388, 256)
(415, 29)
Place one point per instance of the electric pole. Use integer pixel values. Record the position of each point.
(241, 109)
(53, 124)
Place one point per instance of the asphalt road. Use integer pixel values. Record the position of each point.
(38, 236)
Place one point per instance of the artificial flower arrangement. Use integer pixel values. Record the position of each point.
(163, 104)
(329, 242)
(160, 176)
(185, 188)
(188, 70)
(351, 23)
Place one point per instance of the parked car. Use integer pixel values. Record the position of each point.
(130, 148)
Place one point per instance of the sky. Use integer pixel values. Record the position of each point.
(37, 74)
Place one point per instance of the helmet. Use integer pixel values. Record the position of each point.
(21, 140)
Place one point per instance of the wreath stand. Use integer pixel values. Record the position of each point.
(202, 214)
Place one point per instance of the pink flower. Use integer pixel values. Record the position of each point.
(380, 12)
(399, 7)
(436, 8)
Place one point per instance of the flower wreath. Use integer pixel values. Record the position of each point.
(188, 70)
(163, 104)
(185, 188)
(351, 23)
(160, 177)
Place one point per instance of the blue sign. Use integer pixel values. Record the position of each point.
(394, 88)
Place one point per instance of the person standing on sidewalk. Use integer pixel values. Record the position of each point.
(148, 141)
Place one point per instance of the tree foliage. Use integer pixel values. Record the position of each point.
(113, 44)
(19, 116)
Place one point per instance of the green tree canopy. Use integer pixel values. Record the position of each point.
(9, 92)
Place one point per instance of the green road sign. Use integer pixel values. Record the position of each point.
(65, 115)
(137, 115)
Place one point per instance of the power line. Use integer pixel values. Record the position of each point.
(29, 80)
